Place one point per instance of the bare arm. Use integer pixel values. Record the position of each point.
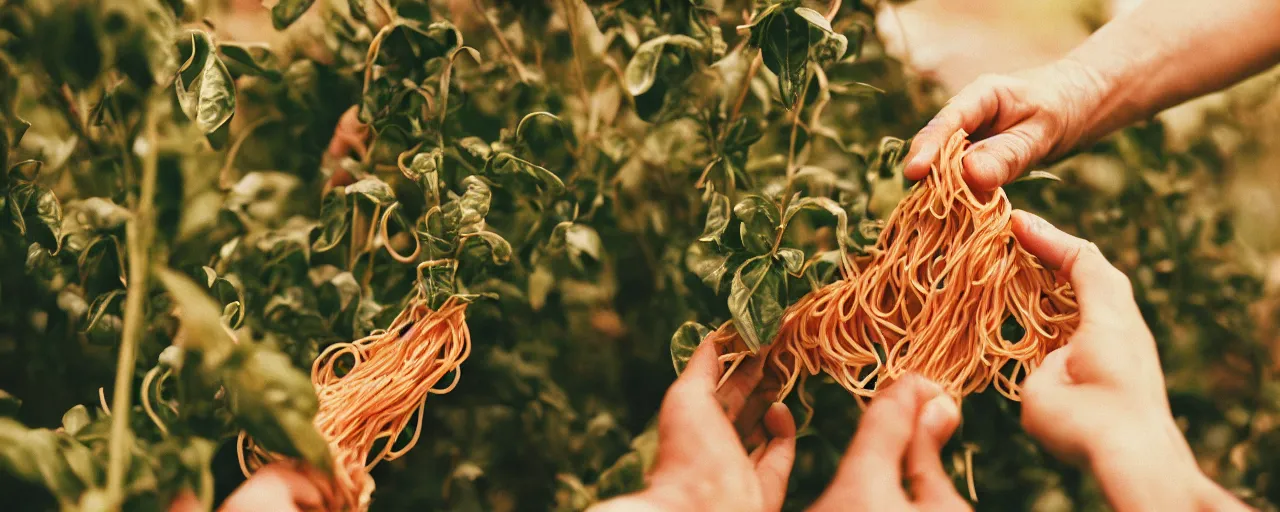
(1163, 53)
(1155, 56)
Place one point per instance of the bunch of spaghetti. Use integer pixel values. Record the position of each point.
(945, 276)
(371, 390)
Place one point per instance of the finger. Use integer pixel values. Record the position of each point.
(1100, 288)
(749, 420)
(186, 501)
(690, 418)
(703, 371)
(873, 462)
(1052, 371)
(774, 466)
(275, 487)
(967, 111)
(737, 391)
(930, 486)
(994, 161)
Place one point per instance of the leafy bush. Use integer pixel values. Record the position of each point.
(594, 176)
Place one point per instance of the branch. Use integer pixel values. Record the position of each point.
(138, 236)
(521, 73)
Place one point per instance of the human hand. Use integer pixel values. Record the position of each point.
(701, 464)
(905, 426)
(283, 487)
(1014, 121)
(1100, 401)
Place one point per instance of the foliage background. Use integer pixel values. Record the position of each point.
(570, 361)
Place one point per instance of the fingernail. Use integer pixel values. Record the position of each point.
(939, 415)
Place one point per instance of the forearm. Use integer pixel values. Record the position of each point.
(1163, 53)
(1153, 469)
(1147, 486)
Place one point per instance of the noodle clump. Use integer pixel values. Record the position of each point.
(371, 389)
(944, 277)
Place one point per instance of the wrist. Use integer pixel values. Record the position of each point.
(655, 498)
(1152, 468)
(1089, 96)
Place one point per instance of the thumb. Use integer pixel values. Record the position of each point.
(1001, 158)
(1101, 289)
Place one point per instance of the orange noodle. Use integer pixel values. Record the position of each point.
(943, 278)
(372, 389)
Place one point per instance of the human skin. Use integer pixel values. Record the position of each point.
(702, 464)
(281, 486)
(1100, 401)
(1157, 55)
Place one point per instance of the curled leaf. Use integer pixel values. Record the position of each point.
(684, 342)
(642, 69)
(285, 12)
(754, 301)
(205, 88)
(718, 216)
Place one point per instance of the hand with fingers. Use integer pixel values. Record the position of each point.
(904, 427)
(282, 487)
(1015, 121)
(1155, 55)
(1100, 401)
(701, 464)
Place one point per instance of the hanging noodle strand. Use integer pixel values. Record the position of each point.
(371, 390)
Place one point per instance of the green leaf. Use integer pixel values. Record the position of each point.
(373, 189)
(101, 213)
(708, 262)
(784, 39)
(499, 248)
(642, 69)
(831, 46)
(582, 239)
(334, 221)
(1039, 175)
(825, 204)
(424, 170)
(754, 301)
(286, 12)
(476, 147)
(760, 219)
(200, 316)
(506, 162)
(98, 308)
(829, 49)
(528, 117)
(28, 200)
(814, 18)
(253, 59)
(792, 260)
(75, 419)
(275, 403)
(684, 342)
(473, 205)
(718, 216)
(205, 88)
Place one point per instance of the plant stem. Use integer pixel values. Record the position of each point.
(138, 236)
(746, 86)
(570, 18)
(502, 40)
(832, 9)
